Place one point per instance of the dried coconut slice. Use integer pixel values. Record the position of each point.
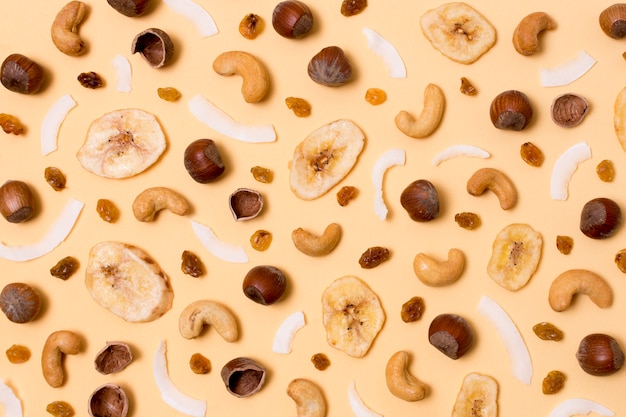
(10, 403)
(385, 161)
(283, 339)
(567, 72)
(217, 119)
(521, 365)
(565, 167)
(457, 151)
(225, 251)
(387, 52)
(123, 73)
(52, 123)
(579, 406)
(200, 18)
(57, 233)
(359, 408)
(172, 396)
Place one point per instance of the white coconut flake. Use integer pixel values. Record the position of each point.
(521, 365)
(57, 233)
(283, 339)
(567, 72)
(218, 120)
(52, 123)
(456, 151)
(387, 52)
(359, 408)
(200, 18)
(565, 167)
(172, 396)
(579, 406)
(225, 251)
(11, 404)
(385, 161)
(123, 73)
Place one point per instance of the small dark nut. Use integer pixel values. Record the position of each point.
(511, 110)
(330, 67)
(203, 161)
(292, 19)
(114, 357)
(243, 376)
(613, 21)
(600, 354)
(155, 45)
(600, 218)
(108, 400)
(264, 284)
(64, 268)
(421, 201)
(412, 309)
(374, 256)
(451, 334)
(21, 75)
(16, 201)
(131, 8)
(20, 302)
(245, 204)
(569, 110)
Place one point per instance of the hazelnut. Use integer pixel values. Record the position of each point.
(16, 201)
(330, 67)
(21, 74)
(264, 284)
(131, 8)
(569, 110)
(613, 20)
(203, 161)
(114, 357)
(155, 46)
(245, 204)
(20, 302)
(600, 354)
(292, 19)
(511, 110)
(451, 334)
(421, 200)
(243, 376)
(600, 218)
(108, 400)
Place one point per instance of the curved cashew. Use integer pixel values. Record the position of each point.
(579, 281)
(429, 119)
(256, 79)
(65, 28)
(439, 274)
(58, 344)
(205, 312)
(400, 381)
(152, 200)
(496, 181)
(312, 245)
(308, 398)
(526, 34)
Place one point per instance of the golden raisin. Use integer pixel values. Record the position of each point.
(55, 178)
(300, 106)
(531, 154)
(18, 354)
(90, 80)
(320, 361)
(564, 244)
(375, 96)
(60, 409)
(553, 382)
(345, 194)
(261, 240)
(262, 174)
(250, 26)
(373, 257)
(352, 7)
(199, 364)
(547, 331)
(412, 310)
(467, 87)
(620, 260)
(64, 268)
(11, 124)
(467, 220)
(106, 210)
(191, 264)
(168, 93)
(605, 170)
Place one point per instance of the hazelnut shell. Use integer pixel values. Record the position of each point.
(330, 67)
(203, 161)
(421, 200)
(600, 355)
(292, 19)
(20, 302)
(16, 201)
(131, 8)
(613, 21)
(569, 110)
(511, 110)
(245, 204)
(114, 357)
(264, 284)
(451, 334)
(108, 400)
(243, 376)
(155, 46)
(600, 218)
(21, 74)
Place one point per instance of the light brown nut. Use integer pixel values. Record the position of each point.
(256, 78)
(429, 119)
(152, 200)
(496, 181)
(64, 29)
(526, 34)
(308, 397)
(439, 273)
(579, 281)
(199, 313)
(313, 245)
(401, 382)
(58, 344)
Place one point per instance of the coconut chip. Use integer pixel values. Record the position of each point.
(521, 365)
(201, 19)
(123, 73)
(457, 151)
(10, 403)
(225, 251)
(385, 161)
(283, 339)
(356, 403)
(567, 72)
(387, 52)
(579, 406)
(216, 119)
(52, 123)
(565, 167)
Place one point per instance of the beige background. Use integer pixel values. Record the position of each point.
(26, 29)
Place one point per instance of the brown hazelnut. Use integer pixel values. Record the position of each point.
(264, 284)
(203, 161)
(600, 218)
(21, 75)
(511, 110)
(20, 302)
(113, 357)
(330, 67)
(292, 19)
(108, 400)
(243, 376)
(155, 46)
(16, 201)
(131, 8)
(569, 110)
(451, 334)
(599, 354)
(421, 200)
(245, 204)
(613, 20)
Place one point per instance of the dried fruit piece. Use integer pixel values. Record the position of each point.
(250, 26)
(90, 79)
(261, 174)
(345, 194)
(352, 7)
(547, 331)
(320, 361)
(553, 382)
(531, 154)
(467, 87)
(60, 409)
(564, 244)
(191, 264)
(373, 257)
(199, 364)
(412, 309)
(300, 106)
(620, 260)
(18, 354)
(467, 220)
(64, 268)
(107, 210)
(375, 96)
(55, 177)
(605, 170)
(11, 124)
(261, 240)
(20, 302)
(478, 396)
(168, 93)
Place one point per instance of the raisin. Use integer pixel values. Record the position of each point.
(373, 257)
(90, 80)
(553, 382)
(352, 7)
(261, 240)
(60, 409)
(168, 93)
(107, 210)
(531, 154)
(345, 194)
(412, 310)
(605, 170)
(466, 220)
(18, 354)
(199, 364)
(547, 331)
(191, 264)
(375, 96)
(620, 260)
(55, 178)
(262, 174)
(64, 268)
(300, 106)
(564, 244)
(467, 87)
(11, 124)
(320, 361)
(250, 26)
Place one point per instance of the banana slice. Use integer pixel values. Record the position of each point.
(458, 31)
(122, 143)
(126, 281)
(324, 158)
(478, 396)
(352, 315)
(515, 256)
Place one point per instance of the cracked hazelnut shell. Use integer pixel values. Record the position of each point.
(243, 376)
(114, 357)
(108, 400)
(245, 204)
(155, 46)
(511, 110)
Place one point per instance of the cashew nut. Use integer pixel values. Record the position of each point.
(526, 34)
(308, 398)
(579, 281)
(206, 312)
(65, 28)
(496, 181)
(430, 117)
(58, 344)
(152, 200)
(439, 274)
(401, 382)
(312, 245)
(256, 79)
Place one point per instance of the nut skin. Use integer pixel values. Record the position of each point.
(330, 67)
(292, 19)
(451, 334)
(421, 201)
(113, 357)
(203, 161)
(21, 75)
(511, 110)
(264, 284)
(155, 45)
(613, 21)
(569, 110)
(243, 376)
(600, 218)
(131, 8)
(20, 302)
(245, 204)
(16, 201)
(108, 400)
(600, 354)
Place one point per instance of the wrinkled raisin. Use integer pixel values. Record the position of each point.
(250, 26)
(168, 93)
(553, 382)
(412, 310)
(547, 331)
(467, 87)
(320, 361)
(64, 268)
(106, 210)
(90, 80)
(191, 264)
(262, 174)
(620, 260)
(375, 96)
(605, 170)
(352, 7)
(199, 364)
(261, 240)
(11, 124)
(55, 178)
(18, 354)
(466, 220)
(60, 409)
(531, 154)
(373, 257)
(345, 194)
(564, 244)
(300, 106)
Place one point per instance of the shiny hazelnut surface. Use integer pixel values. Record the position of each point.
(203, 161)
(155, 45)
(600, 218)
(243, 376)
(421, 200)
(511, 110)
(451, 334)
(20, 302)
(264, 284)
(16, 201)
(600, 354)
(330, 67)
(613, 20)
(292, 19)
(21, 75)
